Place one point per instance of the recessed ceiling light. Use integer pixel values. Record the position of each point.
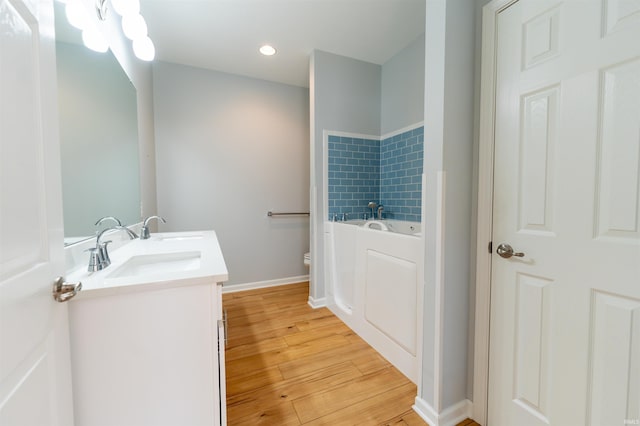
(267, 50)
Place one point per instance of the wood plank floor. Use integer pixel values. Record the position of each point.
(289, 364)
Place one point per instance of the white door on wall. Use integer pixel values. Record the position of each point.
(565, 317)
(35, 378)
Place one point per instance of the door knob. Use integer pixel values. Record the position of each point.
(63, 291)
(506, 251)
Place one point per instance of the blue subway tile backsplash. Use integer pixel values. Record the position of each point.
(354, 174)
(388, 172)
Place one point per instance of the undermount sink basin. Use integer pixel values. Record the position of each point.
(153, 264)
(177, 237)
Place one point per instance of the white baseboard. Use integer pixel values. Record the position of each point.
(232, 288)
(449, 417)
(317, 303)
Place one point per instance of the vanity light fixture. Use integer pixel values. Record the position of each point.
(94, 40)
(126, 7)
(268, 50)
(143, 48)
(79, 17)
(134, 26)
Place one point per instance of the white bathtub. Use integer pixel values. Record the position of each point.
(374, 285)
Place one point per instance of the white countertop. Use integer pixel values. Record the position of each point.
(211, 267)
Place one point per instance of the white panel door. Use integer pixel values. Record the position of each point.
(35, 380)
(565, 317)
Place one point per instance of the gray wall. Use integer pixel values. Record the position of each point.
(449, 130)
(403, 88)
(229, 149)
(345, 95)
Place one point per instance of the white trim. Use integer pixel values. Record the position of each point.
(439, 288)
(326, 132)
(401, 131)
(421, 278)
(449, 417)
(414, 126)
(320, 302)
(485, 209)
(233, 288)
(314, 244)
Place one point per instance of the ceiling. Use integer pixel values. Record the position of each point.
(225, 35)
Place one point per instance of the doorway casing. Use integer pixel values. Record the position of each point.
(485, 208)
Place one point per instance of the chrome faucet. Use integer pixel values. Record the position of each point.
(380, 210)
(113, 218)
(100, 255)
(372, 205)
(99, 258)
(144, 232)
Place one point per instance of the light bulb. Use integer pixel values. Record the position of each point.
(143, 49)
(126, 7)
(268, 50)
(77, 15)
(134, 26)
(94, 40)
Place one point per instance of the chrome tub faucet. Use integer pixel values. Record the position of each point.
(372, 205)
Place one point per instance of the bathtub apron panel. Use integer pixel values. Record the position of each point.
(376, 288)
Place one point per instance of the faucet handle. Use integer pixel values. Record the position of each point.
(95, 260)
(104, 253)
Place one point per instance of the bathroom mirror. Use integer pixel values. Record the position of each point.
(98, 135)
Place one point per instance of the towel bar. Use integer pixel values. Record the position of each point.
(271, 214)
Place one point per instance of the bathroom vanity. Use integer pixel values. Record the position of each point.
(147, 335)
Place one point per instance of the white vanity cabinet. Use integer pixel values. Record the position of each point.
(149, 354)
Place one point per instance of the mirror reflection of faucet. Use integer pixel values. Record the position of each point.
(144, 232)
(112, 218)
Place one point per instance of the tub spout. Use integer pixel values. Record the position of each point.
(380, 210)
(372, 205)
